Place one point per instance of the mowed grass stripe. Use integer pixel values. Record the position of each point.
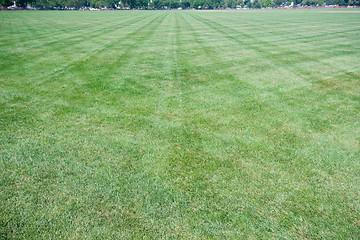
(180, 161)
(122, 54)
(143, 184)
(264, 33)
(284, 55)
(100, 32)
(351, 112)
(55, 80)
(46, 31)
(108, 45)
(62, 47)
(175, 164)
(178, 131)
(61, 82)
(243, 86)
(272, 150)
(293, 29)
(294, 70)
(244, 38)
(84, 54)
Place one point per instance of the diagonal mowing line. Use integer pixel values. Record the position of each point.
(176, 71)
(73, 64)
(296, 73)
(221, 28)
(187, 148)
(327, 35)
(109, 29)
(304, 58)
(140, 37)
(20, 17)
(46, 26)
(208, 51)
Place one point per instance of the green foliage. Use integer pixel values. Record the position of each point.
(313, 2)
(277, 3)
(256, 4)
(5, 3)
(159, 4)
(354, 2)
(268, 3)
(336, 2)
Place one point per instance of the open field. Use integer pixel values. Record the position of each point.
(180, 124)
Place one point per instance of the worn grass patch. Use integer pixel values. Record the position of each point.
(180, 124)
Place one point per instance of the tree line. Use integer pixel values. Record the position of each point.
(170, 4)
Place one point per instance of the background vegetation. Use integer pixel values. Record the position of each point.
(160, 4)
(180, 124)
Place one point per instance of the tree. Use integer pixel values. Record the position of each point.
(5, 3)
(256, 4)
(267, 3)
(277, 3)
(354, 2)
(185, 4)
(312, 2)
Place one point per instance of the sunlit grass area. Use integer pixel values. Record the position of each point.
(180, 124)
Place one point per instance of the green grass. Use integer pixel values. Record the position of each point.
(180, 124)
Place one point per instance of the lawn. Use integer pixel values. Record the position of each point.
(180, 124)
